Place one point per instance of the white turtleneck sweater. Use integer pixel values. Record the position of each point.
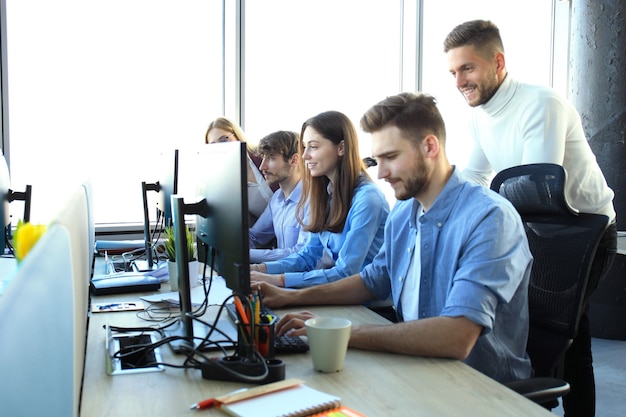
(527, 124)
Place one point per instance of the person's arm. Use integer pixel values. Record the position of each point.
(352, 246)
(543, 128)
(262, 231)
(448, 337)
(445, 337)
(478, 169)
(290, 239)
(350, 290)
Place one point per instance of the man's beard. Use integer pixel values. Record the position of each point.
(415, 184)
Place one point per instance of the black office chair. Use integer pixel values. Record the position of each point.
(563, 243)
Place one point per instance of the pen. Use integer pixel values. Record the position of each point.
(120, 305)
(202, 405)
(241, 311)
(261, 298)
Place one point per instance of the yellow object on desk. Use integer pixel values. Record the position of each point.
(26, 236)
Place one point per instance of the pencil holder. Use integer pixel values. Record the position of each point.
(263, 338)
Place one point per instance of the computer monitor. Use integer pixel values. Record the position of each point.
(222, 181)
(166, 186)
(221, 222)
(5, 183)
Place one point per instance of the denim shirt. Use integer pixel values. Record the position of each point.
(475, 263)
(278, 220)
(351, 249)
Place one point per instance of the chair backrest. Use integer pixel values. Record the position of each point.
(563, 243)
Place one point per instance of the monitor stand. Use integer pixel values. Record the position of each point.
(200, 330)
(141, 265)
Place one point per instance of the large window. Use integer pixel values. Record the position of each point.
(306, 57)
(97, 89)
(526, 34)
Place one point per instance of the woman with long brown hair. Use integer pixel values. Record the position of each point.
(346, 209)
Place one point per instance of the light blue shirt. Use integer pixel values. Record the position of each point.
(351, 249)
(475, 263)
(278, 220)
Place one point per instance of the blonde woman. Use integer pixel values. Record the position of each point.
(259, 192)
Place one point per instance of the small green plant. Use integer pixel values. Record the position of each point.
(170, 244)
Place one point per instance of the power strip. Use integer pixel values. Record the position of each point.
(243, 369)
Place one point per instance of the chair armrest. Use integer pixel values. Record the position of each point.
(541, 389)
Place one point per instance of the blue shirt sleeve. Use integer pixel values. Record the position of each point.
(351, 249)
(278, 221)
(262, 231)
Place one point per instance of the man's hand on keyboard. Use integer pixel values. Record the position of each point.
(292, 324)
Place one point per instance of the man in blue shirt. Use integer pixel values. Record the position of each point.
(455, 258)
(281, 165)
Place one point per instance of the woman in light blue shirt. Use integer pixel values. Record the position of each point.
(347, 210)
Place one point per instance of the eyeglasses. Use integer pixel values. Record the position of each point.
(223, 139)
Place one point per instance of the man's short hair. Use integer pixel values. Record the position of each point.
(484, 35)
(282, 142)
(415, 114)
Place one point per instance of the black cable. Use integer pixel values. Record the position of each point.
(202, 308)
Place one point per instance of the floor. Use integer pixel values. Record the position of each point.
(609, 357)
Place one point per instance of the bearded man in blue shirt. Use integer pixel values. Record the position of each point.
(281, 165)
(455, 258)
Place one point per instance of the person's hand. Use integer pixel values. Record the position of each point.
(292, 324)
(274, 279)
(273, 296)
(258, 267)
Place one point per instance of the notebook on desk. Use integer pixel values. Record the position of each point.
(283, 398)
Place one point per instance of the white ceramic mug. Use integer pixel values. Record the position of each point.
(328, 342)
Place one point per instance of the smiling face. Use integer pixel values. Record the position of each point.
(477, 78)
(401, 163)
(321, 156)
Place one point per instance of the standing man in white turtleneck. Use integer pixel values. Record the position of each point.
(513, 123)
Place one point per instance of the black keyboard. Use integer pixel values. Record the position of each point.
(290, 344)
(284, 344)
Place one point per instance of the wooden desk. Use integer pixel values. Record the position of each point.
(377, 384)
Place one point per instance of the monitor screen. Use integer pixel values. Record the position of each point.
(221, 211)
(222, 181)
